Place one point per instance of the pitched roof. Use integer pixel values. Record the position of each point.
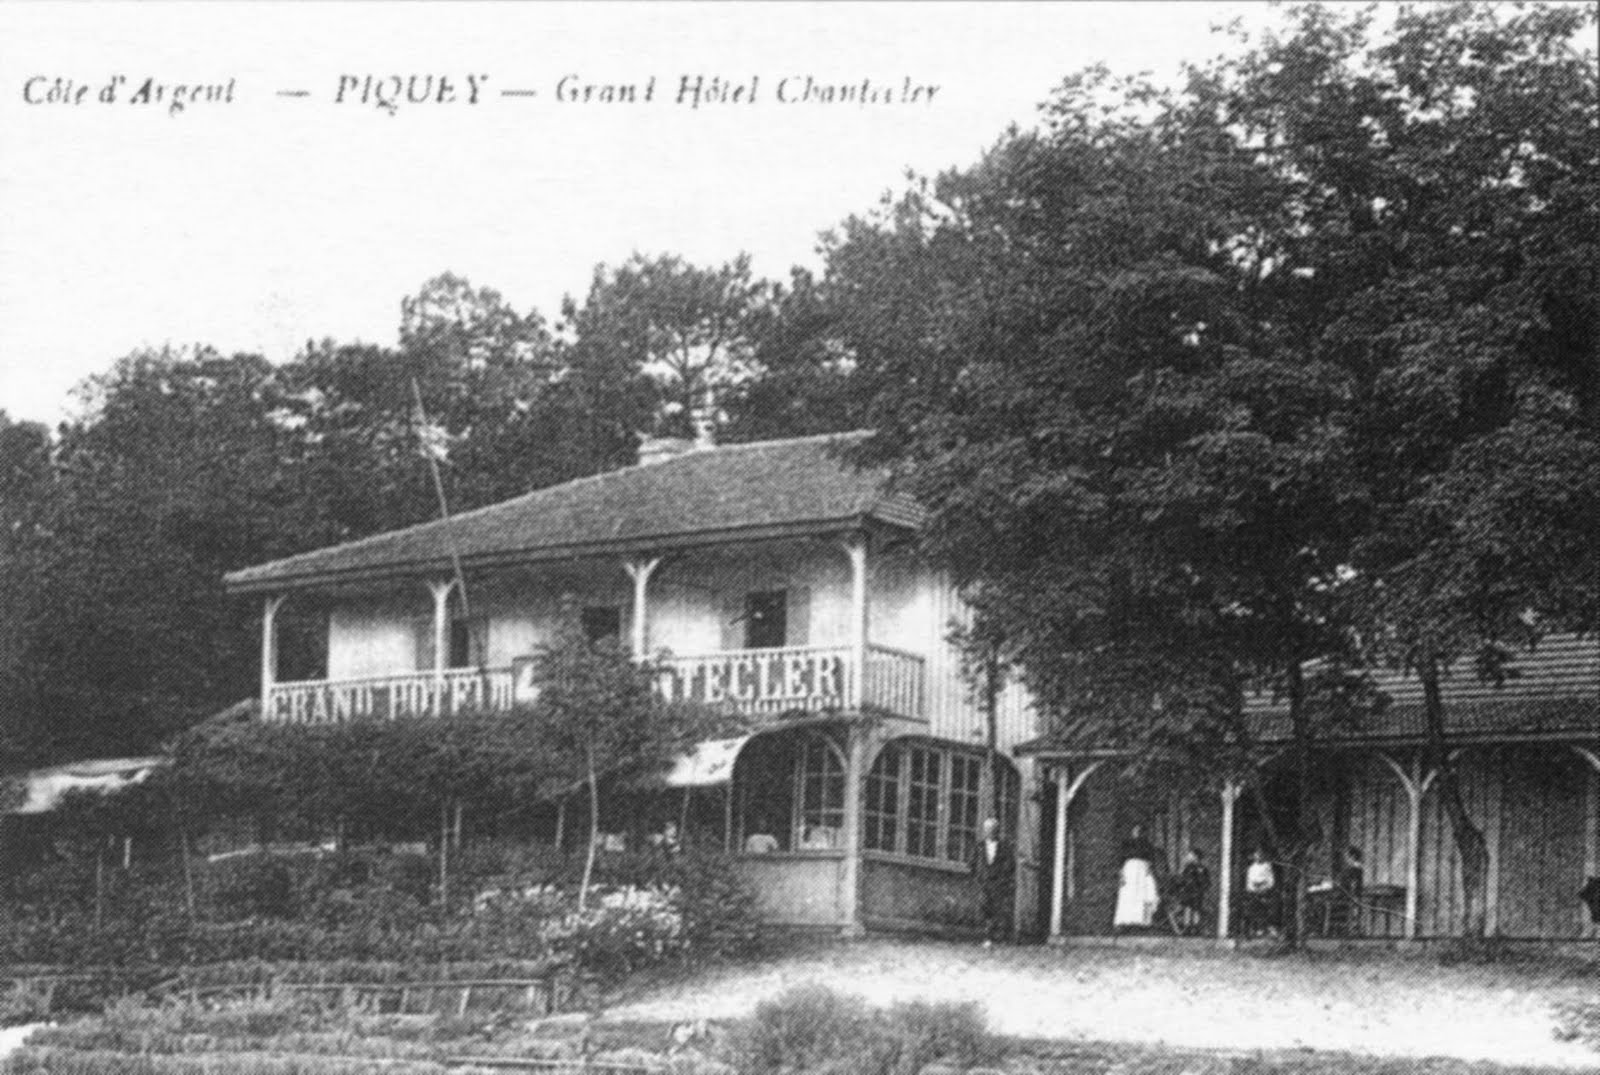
(1551, 692)
(765, 489)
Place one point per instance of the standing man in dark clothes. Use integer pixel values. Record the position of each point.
(994, 869)
(1189, 892)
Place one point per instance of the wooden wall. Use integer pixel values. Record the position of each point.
(1538, 806)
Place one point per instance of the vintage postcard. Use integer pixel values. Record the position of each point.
(878, 539)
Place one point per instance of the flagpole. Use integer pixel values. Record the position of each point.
(438, 488)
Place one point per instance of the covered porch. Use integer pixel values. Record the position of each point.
(1376, 803)
(838, 825)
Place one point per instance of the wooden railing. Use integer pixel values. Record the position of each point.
(895, 681)
(392, 697)
(759, 682)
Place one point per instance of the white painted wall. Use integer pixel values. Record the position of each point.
(696, 602)
(375, 638)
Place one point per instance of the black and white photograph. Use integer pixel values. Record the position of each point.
(799, 538)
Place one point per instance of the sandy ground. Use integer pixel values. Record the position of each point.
(1201, 998)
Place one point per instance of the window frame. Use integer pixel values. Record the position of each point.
(951, 839)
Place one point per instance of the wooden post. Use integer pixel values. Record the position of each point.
(855, 547)
(640, 571)
(1063, 885)
(441, 640)
(1591, 824)
(1231, 791)
(1058, 863)
(269, 650)
(854, 790)
(1416, 784)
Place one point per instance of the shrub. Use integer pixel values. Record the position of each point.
(811, 1028)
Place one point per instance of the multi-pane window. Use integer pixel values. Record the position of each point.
(928, 801)
(883, 801)
(821, 777)
(922, 802)
(966, 775)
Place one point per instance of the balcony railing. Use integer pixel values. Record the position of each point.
(764, 682)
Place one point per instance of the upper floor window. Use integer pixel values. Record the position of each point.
(469, 643)
(602, 622)
(766, 619)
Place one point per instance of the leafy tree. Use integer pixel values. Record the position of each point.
(807, 380)
(26, 487)
(681, 337)
(1444, 188)
(599, 716)
(1130, 466)
(170, 476)
(1195, 383)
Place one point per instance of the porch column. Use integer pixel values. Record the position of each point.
(1061, 886)
(1058, 858)
(1416, 784)
(441, 639)
(269, 650)
(1591, 826)
(640, 571)
(1231, 791)
(854, 789)
(855, 546)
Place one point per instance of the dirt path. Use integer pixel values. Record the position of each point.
(1391, 1006)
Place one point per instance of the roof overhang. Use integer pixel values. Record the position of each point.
(260, 580)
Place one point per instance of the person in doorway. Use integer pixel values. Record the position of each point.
(1189, 892)
(994, 870)
(1260, 895)
(1137, 893)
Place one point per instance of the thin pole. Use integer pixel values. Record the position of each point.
(438, 488)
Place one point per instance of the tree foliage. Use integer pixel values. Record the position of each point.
(1290, 369)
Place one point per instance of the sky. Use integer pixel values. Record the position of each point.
(279, 212)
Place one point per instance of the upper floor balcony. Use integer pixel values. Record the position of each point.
(762, 684)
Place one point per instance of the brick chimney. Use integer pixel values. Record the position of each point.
(660, 449)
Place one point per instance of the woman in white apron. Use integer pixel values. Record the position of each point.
(1137, 895)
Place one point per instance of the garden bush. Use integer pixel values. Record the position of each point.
(508, 904)
(813, 1029)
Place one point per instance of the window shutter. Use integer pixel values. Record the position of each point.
(798, 615)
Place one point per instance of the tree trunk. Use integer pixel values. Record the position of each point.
(1294, 914)
(594, 834)
(1472, 848)
(991, 719)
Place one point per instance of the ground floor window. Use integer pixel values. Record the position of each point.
(790, 790)
(926, 800)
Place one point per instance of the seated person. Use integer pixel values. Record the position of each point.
(1260, 896)
(819, 838)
